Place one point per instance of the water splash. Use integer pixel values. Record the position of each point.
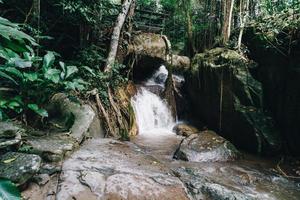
(152, 113)
(159, 77)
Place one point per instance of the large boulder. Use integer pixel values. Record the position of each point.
(206, 146)
(80, 119)
(156, 46)
(280, 75)
(149, 51)
(19, 167)
(224, 94)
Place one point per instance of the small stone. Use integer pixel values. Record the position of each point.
(42, 179)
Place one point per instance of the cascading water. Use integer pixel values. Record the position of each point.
(152, 113)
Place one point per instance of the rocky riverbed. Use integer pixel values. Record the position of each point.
(146, 169)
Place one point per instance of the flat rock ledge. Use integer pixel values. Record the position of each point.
(109, 169)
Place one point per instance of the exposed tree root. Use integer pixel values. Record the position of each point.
(283, 173)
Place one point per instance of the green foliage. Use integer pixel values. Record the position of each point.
(271, 7)
(27, 81)
(102, 80)
(278, 31)
(94, 12)
(25, 148)
(8, 190)
(91, 59)
(92, 56)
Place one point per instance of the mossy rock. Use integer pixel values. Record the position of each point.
(19, 167)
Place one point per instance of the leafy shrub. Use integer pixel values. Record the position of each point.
(27, 81)
(8, 190)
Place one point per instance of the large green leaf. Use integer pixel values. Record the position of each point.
(53, 75)
(6, 76)
(15, 45)
(49, 59)
(91, 71)
(31, 76)
(20, 63)
(71, 70)
(11, 31)
(8, 190)
(14, 71)
(36, 109)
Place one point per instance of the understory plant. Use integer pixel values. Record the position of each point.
(26, 80)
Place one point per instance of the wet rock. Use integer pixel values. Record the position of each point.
(76, 116)
(280, 80)
(245, 181)
(185, 130)
(41, 189)
(156, 89)
(19, 167)
(156, 46)
(10, 134)
(109, 169)
(50, 168)
(161, 78)
(51, 148)
(41, 179)
(206, 146)
(224, 93)
(8, 130)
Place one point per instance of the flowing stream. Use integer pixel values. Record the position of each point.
(152, 112)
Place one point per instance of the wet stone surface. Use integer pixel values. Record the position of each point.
(19, 167)
(50, 148)
(185, 130)
(109, 169)
(206, 146)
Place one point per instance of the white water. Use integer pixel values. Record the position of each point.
(152, 113)
(155, 80)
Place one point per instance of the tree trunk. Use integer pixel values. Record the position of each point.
(191, 45)
(116, 35)
(227, 18)
(36, 13)
(244, 11)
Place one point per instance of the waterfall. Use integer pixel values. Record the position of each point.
(152, 112)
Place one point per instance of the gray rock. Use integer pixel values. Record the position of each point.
(235, 181)
(185, 130)
(10, 134)
(109, 169)
(41, 179)
(161, 78)
(78, 117)
(156, 46)
(19, 167)
(206, 146)
(50, 168)
(8, 130)
(51, 148)
(201, 187)
(222, 77)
